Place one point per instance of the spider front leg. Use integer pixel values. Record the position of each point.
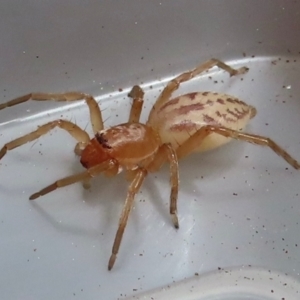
(79, 134)
(174, 84)
(165, 152)
(95, 113)
(83, 176)
(194, 141)
(132, 190)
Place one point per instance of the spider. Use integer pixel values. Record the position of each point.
(193, 122)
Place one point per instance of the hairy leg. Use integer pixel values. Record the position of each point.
(95, 113)
(174, 84)
(132, 190)
(79, 134)
(194, 141)
(87, 174)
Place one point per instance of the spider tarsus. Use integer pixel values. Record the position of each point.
(175, 221)
(34, 196)
(253, 112)
(44, 191)
(112, 261)
(239, 71)
(243, 70)
(136, 92)
(3, 152)
(295, 164)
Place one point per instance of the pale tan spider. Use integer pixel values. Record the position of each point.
(175, 128)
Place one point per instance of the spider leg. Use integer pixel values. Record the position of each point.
(193, 142)
(87, 174)
(132, 190)
(137, 94)
(174, 84)
(80, 135)
(166, 151)
(95, 113)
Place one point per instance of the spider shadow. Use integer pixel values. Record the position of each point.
(192, 170)
(103, 194)
(108, 194)
(209, 165)
(72, 229)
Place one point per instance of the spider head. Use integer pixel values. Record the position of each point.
(94, 154)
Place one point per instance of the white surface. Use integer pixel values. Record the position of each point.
(229, 284)
(58, 246)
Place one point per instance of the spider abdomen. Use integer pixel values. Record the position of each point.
(130, 144)
(179, 118)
